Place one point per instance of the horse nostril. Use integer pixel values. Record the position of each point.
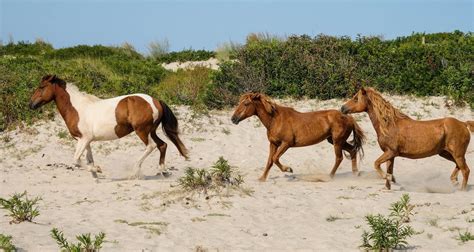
(235, 120)
(344, 109)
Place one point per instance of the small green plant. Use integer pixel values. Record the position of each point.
(332, 218)
(226, 131)
(389, 232)
(433, 222)
(85, 244)
(221, 174)
(6, 243)
(402, 209)
(195, 179)
(21, 208)
(62, 134)
(465, 237)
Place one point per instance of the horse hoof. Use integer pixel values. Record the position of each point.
(288, 169)
(165, 174)
(94, 175)
(98, 169)
(356, 173)
(262, 179)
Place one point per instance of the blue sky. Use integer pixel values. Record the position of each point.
(206, 24)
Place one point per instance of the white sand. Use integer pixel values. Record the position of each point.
(290, 210)
(211, 63)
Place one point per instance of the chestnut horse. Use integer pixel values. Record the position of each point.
(89, 118)
(287, 128)
(399, 135)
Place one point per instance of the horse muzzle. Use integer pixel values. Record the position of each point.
(235, 120)
(34, 105)
(344, 110)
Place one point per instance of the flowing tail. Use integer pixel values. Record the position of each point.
(170, 127)
(359, 139)
(470, 125)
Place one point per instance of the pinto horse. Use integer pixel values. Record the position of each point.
(399, 135)
(89, 118)
(287, 128)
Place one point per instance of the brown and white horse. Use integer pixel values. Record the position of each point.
(399, 135)
(288, 128)
(90, 118)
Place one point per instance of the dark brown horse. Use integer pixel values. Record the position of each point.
(287, 128)
(399, 135)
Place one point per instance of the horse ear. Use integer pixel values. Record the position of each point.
(255, 96)
(47, 78)
(362, 89)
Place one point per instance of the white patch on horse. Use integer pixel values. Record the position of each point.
(97, 116)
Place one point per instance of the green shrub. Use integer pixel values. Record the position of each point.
(85, 244)
(328, 67)
(25, 48)
(389, 232)
(158, 48)
(221, 174)
(20, 207)
(95, 51)
(185, 55)
(195, 179)
(186, 86)
(465, 237)
(6, 243)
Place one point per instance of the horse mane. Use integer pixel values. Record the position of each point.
(267, 103)
(386, 114)
(74, 90)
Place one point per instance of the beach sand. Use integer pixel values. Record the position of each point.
(304, 211)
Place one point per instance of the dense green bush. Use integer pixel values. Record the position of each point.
(327, 67)
(186, 86)
(185, 55)
(95, 51)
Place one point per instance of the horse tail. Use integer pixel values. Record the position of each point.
(170, 127)
(359, 139)
(470, 125)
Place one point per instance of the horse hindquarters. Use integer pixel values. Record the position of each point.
(456, 143)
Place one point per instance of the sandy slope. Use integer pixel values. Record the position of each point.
(211, 63)
(284, 213)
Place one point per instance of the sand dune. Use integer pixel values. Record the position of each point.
(288, 212)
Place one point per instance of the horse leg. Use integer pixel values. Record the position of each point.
(454, 174)
(144, 135)
(90, 160)
(264, 176)
(162, 148)
(390, 176)
(338, 151)
(349, 148)
(276, 158)
(382, 159)
(80, 147)
(461, 163)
